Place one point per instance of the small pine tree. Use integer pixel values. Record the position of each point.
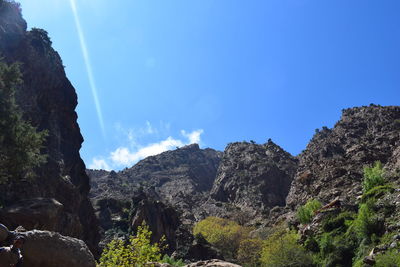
(20, 142)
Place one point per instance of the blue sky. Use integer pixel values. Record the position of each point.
(167, 73)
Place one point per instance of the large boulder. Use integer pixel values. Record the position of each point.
(37, 213)
(50, 249)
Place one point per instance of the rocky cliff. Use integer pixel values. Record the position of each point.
(181, 178)
(254, 177)
(332, 164)
(259, 183)
(59, 193)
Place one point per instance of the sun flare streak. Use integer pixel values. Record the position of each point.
(87, 64)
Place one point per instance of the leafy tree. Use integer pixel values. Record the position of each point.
(282, 249)
(224, 234)
(20, 142)
(137, 252)
(306, 213)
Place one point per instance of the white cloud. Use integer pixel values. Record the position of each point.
(127, 155)
(194, 137)
(122, 156)
(98, 164)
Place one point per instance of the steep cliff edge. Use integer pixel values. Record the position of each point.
(48, 101)
(332, 164)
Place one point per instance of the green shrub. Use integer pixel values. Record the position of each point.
(306, 213)
(367, 222)
(282, 249)
(249, 252)
(224, 234)
(373, 176)
(377, 192)
(172, 261)
(338, 221)
(136, 253)
(389, 259)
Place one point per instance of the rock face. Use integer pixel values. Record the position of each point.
(165, 190)
(49, 249)
(180, 178)
(48, 101)
(254, 177)
(161, 219)
(332, 164)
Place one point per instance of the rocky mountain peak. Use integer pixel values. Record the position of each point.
(253, 176)
(332, 164)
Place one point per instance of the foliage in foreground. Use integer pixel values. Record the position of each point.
(20, 142)
(282, 249)
(224, 234)
(137, 252)
(172, 261)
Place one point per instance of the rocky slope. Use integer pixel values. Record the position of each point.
(58, 196)
(332, 164)
(254, 177)
(253, 183)
(181, 178)
(165, 190)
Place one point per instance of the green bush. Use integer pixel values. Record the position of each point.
(137, 252)
(373, 176)
(306, 213)
(249, 252)
(224, 234)
(172, 261)
(282, 249)
(377, 192)
(338, 221)
(367, 224)
(389, 259)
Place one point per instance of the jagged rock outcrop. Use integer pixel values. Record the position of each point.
(254, 177)
(162, 220)
(48, 101)
(332, 164)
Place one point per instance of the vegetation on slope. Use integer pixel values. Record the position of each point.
(20, 142)
(328, 236)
